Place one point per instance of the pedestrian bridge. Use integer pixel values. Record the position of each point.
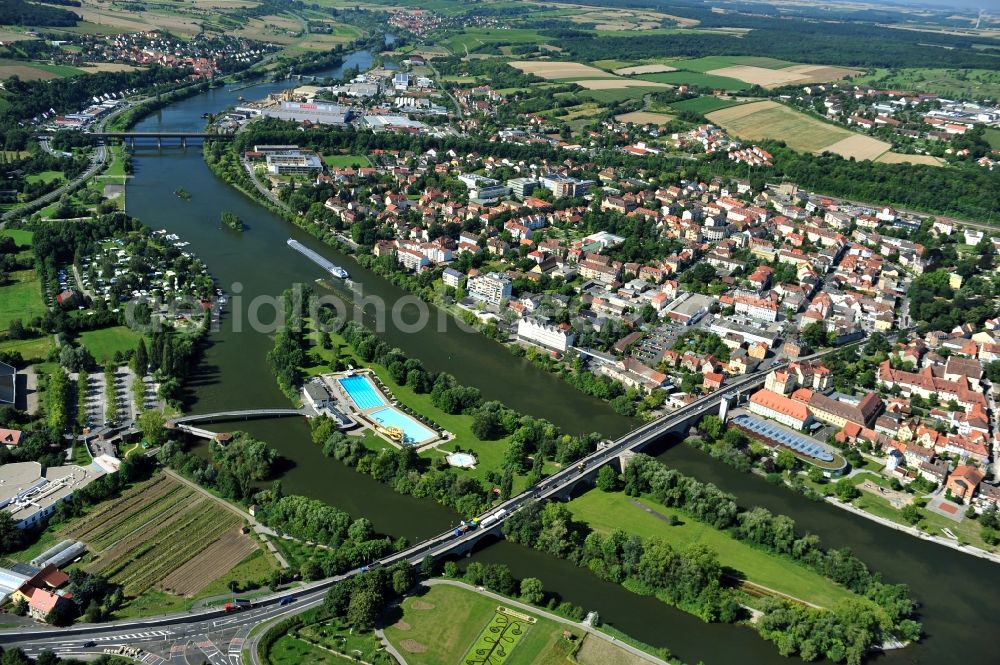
(186, 423)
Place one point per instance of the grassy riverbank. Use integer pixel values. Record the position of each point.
(607, 511)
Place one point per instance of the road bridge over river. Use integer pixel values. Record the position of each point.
(181, 628)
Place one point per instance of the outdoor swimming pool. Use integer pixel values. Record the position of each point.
(413, 432)
(361, 391)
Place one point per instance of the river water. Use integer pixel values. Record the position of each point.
(957, 593)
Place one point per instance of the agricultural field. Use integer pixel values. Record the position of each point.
(159, 537)
(613, 96)
(644, 69)
(104, 343)
(21, 298)
(719, 61)
(900, 158)
(697, 79)
(643, 117)
(560, 71)
(443, 625)
(773, 78)
(771, 120)
(704, 104)
(608, 511)
(34, 71)
(472, 38)
(954, 83)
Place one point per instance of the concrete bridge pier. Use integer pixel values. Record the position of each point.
(159, 143)
(184, 142)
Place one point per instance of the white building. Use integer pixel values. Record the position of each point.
(452, 278)
(492, 288)
(543, 334)
(291, 163)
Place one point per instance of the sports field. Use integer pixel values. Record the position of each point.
(344, 161)
(608, 511)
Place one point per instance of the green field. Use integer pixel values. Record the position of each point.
(442, 625)
(104, 343)
(964, 83)
(992, 136)
(473, 38)
(343, 161)
(704, 104)
(608, 511)
(696, 79)
(32, 350)
(20, 299)
(711, 62)
(616, 95)
(498, 638)
(46, 176)
(22, 238)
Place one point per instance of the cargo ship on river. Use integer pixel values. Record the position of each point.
(334, 270)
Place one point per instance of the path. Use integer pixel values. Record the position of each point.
(649, 658)
(390, 647)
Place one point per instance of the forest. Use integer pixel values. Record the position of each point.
(19, 12)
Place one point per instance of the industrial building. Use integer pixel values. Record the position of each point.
(315, 112)
(30, 496)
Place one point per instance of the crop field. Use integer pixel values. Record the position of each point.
(704, 104)
(900, 158)
(698, 79)
(771, 120)
(616, 95)
(771, 78)
(553, 70)
(642, 117)
(153, 531)
(644, 69)
(858, 147)
(618, 84)
(472, 38)
(719, 61)
(212, 563)
(33, 71)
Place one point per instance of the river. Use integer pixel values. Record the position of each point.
(956, 591)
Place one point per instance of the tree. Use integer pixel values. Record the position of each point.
(486, 425)
(846, 490)
(608, 479)
(363, 609)
(140, 361)
(532, 591)
(151, 424)
(911, 514)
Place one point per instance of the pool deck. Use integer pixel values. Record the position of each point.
(363, 416)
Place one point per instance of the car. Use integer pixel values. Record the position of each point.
(89, 643)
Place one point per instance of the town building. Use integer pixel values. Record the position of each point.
(30, 496)
(784, 410)
(291, 163)
(492, 288)
(543, 334)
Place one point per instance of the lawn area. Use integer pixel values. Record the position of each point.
(343, 161)
(443, 624)
(608, 511)
(704, 104)
(22, 238)
(46, 176)
(117, 167)
(288, 650)
(698, 79)
(104, 343)
(32, 350)
(21, 299)
(255, 568)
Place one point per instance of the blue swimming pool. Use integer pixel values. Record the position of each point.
(361, 391)
(413, 431)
